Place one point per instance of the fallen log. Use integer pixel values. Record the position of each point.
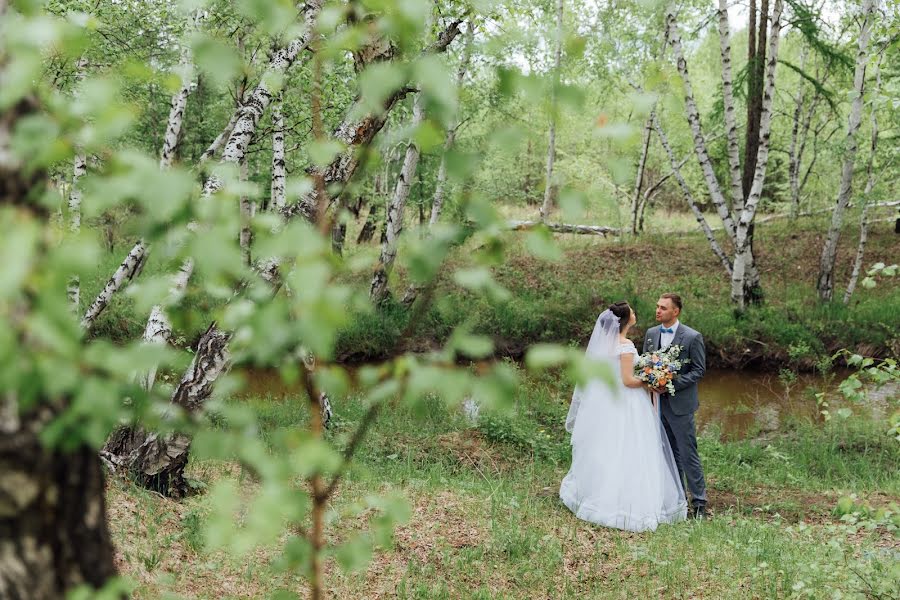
(600, 230)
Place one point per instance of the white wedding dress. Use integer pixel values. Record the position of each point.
(623, 472)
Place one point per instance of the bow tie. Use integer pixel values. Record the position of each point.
(666, 330)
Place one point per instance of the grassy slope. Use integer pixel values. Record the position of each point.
(486, 522)
(558, 302)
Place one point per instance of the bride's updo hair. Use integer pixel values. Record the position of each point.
(623, 311)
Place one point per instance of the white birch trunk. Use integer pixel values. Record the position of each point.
(220, 140)
(394, 224)
(551, 138)
(246, 234)
(278, 160)
(689, 197)
(870, 184)
(825, 282)
(177, 106)
(355, 132)
(639, 181)
(437, 203)
(601, 230)
(127, 271)
(79, 168)
(693, 117)
(734, 157)
(159, 328)
(744, 274)
(794, 149)
(249, 114)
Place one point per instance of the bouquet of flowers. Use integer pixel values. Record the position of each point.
(659, 368)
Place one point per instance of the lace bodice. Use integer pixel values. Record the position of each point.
(626, 347)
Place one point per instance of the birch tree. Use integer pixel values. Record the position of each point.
(394, 223)
(551, 136)
(79, 169)
(737, 219)
(53, 529)
(638, 184)
(278, 160)
(870, 184)
(157, 461)
(825, 280)
(134, 261)
(437, 204)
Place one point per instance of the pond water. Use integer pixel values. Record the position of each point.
(747, 402)
(737, 403)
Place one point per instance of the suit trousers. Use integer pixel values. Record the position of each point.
(681, 431)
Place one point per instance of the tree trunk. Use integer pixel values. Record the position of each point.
(551, 138)
(731, 133)
(278, 159)
(693, 117)
(825, 283)
(368, 229)
(639, 182)
(745, 279)
(794, 149)
(176, 112)
(600, 230)
(53, 531)
(355, 132)
(246, 235)
(394, 222)
(870, 184)
(251, 111)
(158, 329)
(156, 461)
(79, 168)
(127, 271)
(689, 197)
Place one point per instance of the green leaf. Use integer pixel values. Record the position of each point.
(540, 244)
(543, 356)
(219, 61)
(322, 152)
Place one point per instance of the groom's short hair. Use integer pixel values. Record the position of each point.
(675, 298)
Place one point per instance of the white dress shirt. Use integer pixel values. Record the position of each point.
(665, 339)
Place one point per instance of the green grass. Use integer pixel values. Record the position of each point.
(486, 521)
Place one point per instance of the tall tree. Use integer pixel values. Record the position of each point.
(870, 185)
(394, 224)
(825, 280)
(551, 136)
(53, 531)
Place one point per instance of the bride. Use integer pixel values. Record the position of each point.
(623, 472)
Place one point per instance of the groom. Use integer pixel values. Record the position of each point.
(678, 410)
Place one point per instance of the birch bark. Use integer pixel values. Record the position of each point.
(744, 278)
(689, 197)
(638, 184)
(867, 193)
(79, 169)
(278, 160)
(825, 282)
(551, 137)
(378, 289)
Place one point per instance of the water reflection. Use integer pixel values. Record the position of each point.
(742, 403)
